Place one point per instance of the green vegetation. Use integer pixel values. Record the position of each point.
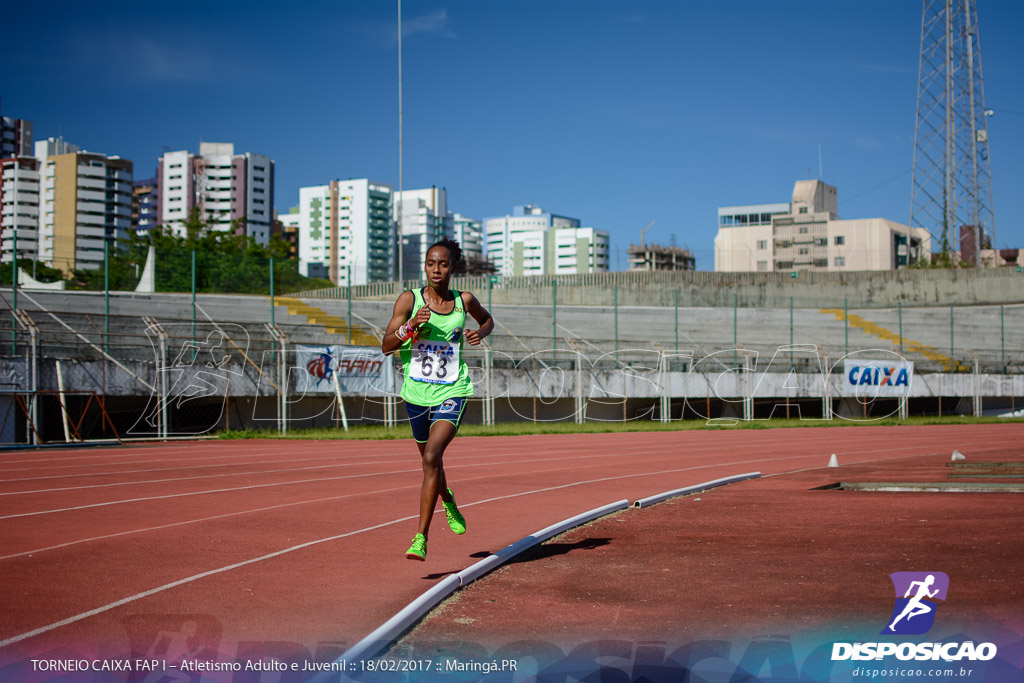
(227, 262)
(939, 260)
(523, 428)
(37, 269)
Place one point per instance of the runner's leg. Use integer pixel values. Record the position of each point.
(442, 489)
(441, 434)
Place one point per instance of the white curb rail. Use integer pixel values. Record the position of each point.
(383, 636)
(696, 488)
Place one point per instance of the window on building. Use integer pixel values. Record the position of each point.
(820, 242)
(821, 263)
(803, 251)
(784, 265)
(803, 230)
(840, 239)
(762, 244)
(840, 261)
(803, 209)
(766, 218)
(762, 265)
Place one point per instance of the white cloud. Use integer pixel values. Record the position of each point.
(435, 23)
(146, 60)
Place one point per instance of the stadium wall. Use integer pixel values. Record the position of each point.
(960, 287)
(200, 401)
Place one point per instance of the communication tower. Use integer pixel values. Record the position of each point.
(951, 194)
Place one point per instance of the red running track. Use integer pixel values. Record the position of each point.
(120, 552)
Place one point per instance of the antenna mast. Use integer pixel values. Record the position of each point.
(952, 190)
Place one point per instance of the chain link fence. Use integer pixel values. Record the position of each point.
(177, 366)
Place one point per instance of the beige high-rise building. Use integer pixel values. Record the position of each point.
(86, 199)
(807, 234)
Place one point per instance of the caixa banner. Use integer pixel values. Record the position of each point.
(359, 369)
(877, 377)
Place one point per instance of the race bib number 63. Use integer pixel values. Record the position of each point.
(434, 362)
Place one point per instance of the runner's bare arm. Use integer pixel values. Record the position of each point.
(402, 312)
(481, 315)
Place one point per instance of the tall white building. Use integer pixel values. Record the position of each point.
(531, 241)
(807, 234)
(345, 227)
(224, 186)
(424, 219)
(19, 207)
(470, 236)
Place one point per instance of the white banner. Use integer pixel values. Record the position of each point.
(360, 370)
(882, 378)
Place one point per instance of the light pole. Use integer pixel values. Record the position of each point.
(399, 212)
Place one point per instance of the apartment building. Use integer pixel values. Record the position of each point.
(532, 241)
(345, 231)
(807, 234)
(228, 189)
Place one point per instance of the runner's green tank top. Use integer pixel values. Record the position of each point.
(434, 367)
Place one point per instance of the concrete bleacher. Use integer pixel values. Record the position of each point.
(990, 332)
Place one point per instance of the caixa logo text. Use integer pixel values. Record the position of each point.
(877, 376)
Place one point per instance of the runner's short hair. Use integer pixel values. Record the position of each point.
(453, 248)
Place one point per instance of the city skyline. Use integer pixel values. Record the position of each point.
(620, 114)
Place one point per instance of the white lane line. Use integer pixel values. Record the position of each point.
(658, 452)
(490, 456)
(181, 582)
(184, 467)
(283, 483)
(234, 444)
(173, 469)
(192, 458)
(191, 461)
(204, 476)
(301, 502)
(200, 493)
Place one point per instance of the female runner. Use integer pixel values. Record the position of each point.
(429, 326)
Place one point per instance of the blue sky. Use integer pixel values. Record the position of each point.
(618, 113)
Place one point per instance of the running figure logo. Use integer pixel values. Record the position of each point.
(917, 594)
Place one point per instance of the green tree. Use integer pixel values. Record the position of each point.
(227, 261)
(43, 273)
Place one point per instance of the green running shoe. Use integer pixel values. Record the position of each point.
(455, 519)
(418, 549)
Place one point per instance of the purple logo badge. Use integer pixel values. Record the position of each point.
(917, 596)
